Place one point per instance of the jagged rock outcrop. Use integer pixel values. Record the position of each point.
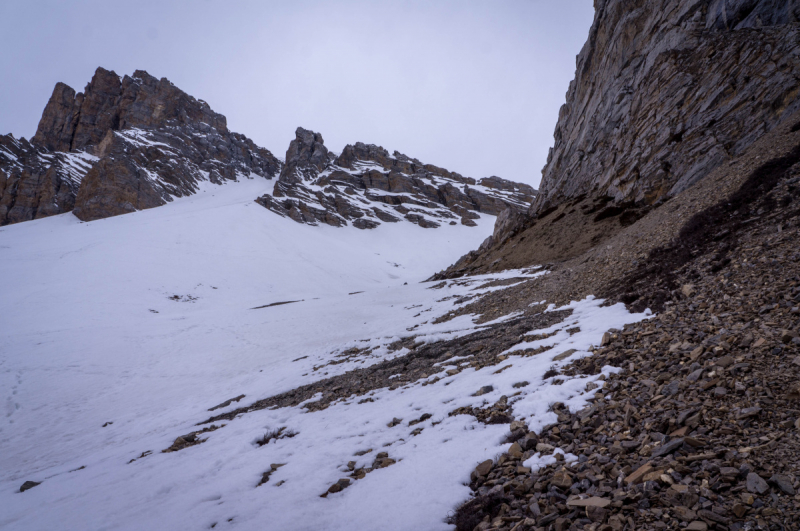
(35, 183)
(365, 186)
(74, 121)
(667, 90)
(122, 145)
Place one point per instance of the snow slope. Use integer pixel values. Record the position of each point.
(149, 319)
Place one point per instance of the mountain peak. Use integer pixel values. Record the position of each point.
(123, 144)
(73, 121)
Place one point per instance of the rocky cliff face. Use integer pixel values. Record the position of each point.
(667, 90)
(124, 144)
(35, 183)
(74, 121)
(365, 186)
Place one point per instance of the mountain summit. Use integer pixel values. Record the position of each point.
(124, 144)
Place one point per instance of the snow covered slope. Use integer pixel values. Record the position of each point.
(119, 335)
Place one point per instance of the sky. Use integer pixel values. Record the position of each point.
(471, 86)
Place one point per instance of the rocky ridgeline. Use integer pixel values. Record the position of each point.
(124, 144)
(366, 186)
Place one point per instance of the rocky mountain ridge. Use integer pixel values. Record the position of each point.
(365, 185)
(124, 144)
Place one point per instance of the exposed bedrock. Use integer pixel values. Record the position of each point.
(124, 144)
(667, 90)
(366, 186)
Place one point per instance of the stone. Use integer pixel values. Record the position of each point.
(784, 483)
(484, 390)
(788, 335)
(339, 486)
(694, 354)
(606, 339)
(688, 290)
(748, 412)
(756, 484)
(739, 510)
(638, 476)
(668, 448)
(724, 362)
(529, 442)
(515, 451)
(592, 501)
(684, 513)
(518, 425)
(564, 355)
(713, 516)
(697, 525)
(29, 485)
(596, 513)
(484, 468)
(562, 479)
(544, 448)
(695, 375)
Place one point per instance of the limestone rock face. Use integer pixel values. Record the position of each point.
(74, 121)
(59, 119)
(307, 152)
(667, 90)
(124, 144)
(35, 183)
(365, 186)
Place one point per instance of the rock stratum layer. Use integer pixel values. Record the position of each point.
(667, 90)
(365, 186)
(124, 144)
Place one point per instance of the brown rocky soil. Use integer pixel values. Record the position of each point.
(700, 429)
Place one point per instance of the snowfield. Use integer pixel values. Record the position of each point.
(118, 335)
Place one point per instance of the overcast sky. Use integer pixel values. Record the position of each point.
(472, 86)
